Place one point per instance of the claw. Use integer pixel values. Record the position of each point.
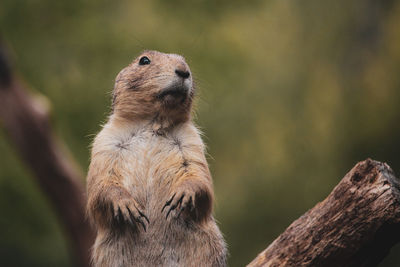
(168, 202)
(171, 209)
(180, 200)
(176, 205)
(138, 220)
(142, 223)
(144, 216)
(132, 217)
(179, 214)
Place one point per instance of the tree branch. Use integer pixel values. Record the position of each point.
(26, 121)
(356, 225)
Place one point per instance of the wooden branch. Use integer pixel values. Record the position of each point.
(26, 120)
(356, 225)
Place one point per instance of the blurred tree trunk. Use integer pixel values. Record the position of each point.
(26, 120)
(356, 225)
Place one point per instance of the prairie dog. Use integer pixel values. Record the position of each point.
(150, 192)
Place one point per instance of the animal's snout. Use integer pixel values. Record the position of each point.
(182, 73)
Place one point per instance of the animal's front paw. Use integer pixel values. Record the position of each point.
(127, 210)
(182, 199)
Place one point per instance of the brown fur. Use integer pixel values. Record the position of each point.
(149, 187)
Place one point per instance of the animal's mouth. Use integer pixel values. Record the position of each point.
(174, 92)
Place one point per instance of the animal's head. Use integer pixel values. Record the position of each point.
(154, 86)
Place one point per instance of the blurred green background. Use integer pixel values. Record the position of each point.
(292, 95)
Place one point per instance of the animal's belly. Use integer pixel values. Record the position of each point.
(151, 174)
(166, 243)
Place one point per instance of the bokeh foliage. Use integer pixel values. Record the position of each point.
(292, 95)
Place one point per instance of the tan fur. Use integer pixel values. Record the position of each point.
(150, 192)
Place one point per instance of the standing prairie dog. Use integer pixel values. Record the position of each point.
(150, 191)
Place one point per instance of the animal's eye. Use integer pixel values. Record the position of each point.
(144, 61)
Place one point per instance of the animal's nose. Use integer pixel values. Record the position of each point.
(182, 73)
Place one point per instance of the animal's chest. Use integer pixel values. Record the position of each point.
(150, 160)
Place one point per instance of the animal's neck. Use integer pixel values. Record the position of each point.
(158, 124)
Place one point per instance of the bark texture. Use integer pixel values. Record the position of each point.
(26, 120)
(356, 225)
